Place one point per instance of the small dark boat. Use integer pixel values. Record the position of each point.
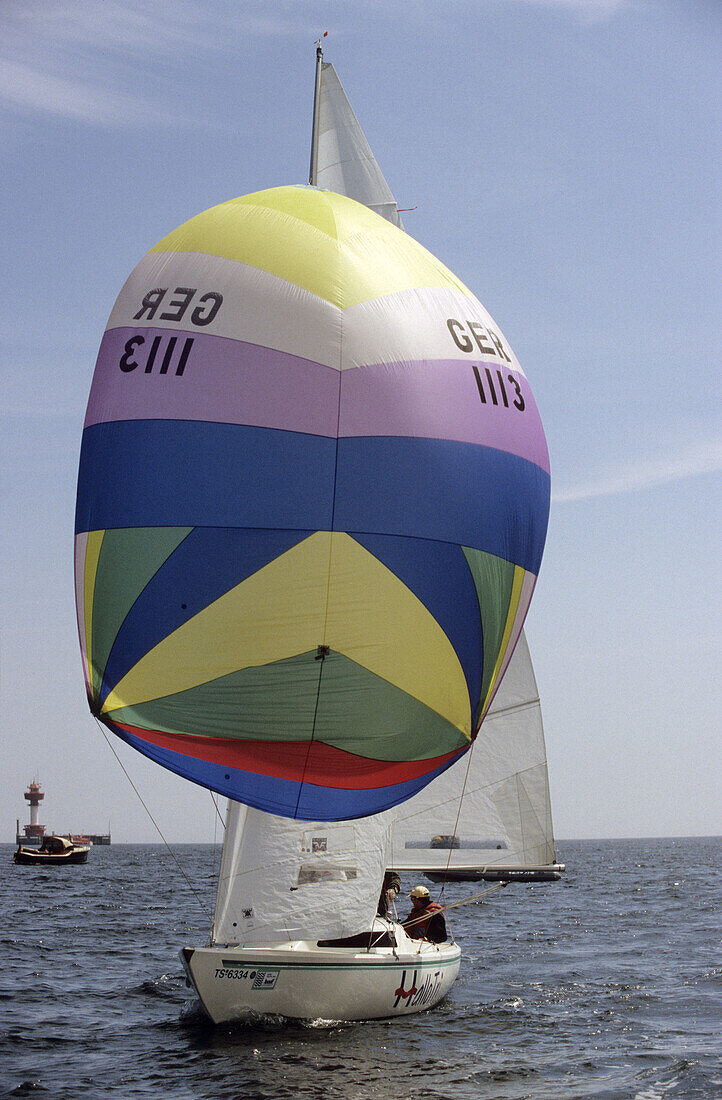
(54, 849)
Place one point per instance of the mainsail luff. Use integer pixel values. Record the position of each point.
(313, 169)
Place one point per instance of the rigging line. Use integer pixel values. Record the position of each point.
(456, 823)
(193, 890)
(494, 711)
(218, 812)
(379, 933)
(313, 733)
(479, 787)
(475, 897)
(217, 857)
(455, 904)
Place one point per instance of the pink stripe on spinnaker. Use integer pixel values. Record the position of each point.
(231, 382)
(223, 380)
(441, 399)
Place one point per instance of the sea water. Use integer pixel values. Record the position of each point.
(606, 984)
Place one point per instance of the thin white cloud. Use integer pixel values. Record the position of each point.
(83, 60)
(108, 63)
(698, 459)
(39, 412)
(589, 11)
(26, 88)
(130, 29)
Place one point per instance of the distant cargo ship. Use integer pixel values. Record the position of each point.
(33, 833)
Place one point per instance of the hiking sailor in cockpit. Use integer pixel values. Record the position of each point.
(426, 919)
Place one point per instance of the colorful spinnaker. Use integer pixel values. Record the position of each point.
(312, 502)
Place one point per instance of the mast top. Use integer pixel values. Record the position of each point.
(313, 168)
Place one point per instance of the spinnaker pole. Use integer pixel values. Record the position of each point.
(313, 170)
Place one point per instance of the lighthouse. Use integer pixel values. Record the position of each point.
(34, 833)
(34, 796)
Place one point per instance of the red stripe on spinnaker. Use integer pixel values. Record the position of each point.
(316, 762)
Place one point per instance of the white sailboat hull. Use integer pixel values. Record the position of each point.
(301, 980)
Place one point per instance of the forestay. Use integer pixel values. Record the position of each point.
(284, 880)
(505, 817)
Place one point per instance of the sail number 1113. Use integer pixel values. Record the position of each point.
(492, 388)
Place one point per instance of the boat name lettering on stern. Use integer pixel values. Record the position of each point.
(418, 995)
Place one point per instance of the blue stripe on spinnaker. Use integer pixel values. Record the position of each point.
(184, 473)
(332, 804)
(439, 489)
(142, 473)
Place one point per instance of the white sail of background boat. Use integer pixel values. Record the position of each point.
(297, 600)
(488, 817)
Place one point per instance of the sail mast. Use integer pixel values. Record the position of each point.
(313, 170)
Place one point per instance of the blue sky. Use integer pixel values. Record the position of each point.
(563, 157)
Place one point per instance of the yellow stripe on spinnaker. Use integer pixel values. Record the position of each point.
(516, 590)
(327, 590)
(326, 243)
(92, 554)
(376, 621)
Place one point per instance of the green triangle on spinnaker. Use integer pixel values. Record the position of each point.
(493, 578)
(341, 704)
(129, 558)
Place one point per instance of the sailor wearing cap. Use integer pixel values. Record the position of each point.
(426, 919)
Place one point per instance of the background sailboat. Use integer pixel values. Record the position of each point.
(495, 805)
(489, 817)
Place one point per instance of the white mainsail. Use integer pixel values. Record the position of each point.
(492, 809)
(283, 880)
(342, 160)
